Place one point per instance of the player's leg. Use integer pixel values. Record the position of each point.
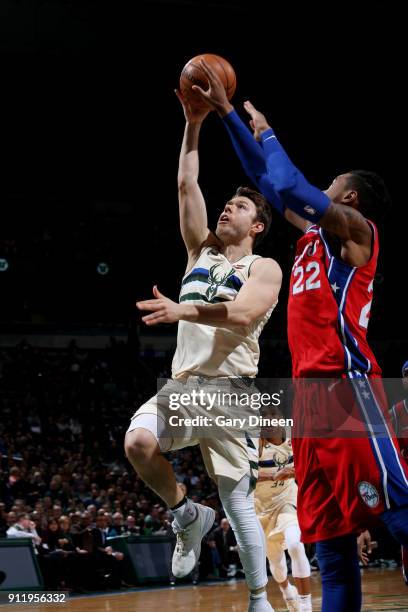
(338, 556)
(279, 570)
(391, 487)
(233, 463)
(340, 572)
(300, 566)
(380, 475)
(144, 447)
(321, 516)
(337, 499)
(145, 442)
(237, 499)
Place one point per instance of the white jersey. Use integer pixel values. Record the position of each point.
(206, 350)
(272, 494)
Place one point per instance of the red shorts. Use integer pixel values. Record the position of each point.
(346, 477)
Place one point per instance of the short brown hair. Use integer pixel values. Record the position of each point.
(263, 210)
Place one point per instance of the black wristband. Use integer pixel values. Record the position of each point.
(181, 503)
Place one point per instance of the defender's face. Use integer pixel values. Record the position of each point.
(237, 219)
(405, 381)
(338, 190)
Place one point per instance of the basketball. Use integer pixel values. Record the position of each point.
(192, 74)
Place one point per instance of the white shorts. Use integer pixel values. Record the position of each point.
(226, 451)
(274, 525)
(279, 515)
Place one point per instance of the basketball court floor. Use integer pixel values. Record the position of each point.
(384, 590)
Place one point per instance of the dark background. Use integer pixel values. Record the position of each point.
(91, 131)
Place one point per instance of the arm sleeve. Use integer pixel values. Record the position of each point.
(295, 192)
(251, 156)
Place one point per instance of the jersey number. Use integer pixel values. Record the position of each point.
(277, 483)
(365, 311)
(311, 282)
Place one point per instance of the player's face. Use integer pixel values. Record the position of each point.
(237, 219)
(339, 189)
(405, 381)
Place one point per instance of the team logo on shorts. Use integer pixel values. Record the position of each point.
(368, 494)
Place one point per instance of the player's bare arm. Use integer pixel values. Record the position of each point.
(285, 473)
(346, 223)
(192, 208)
(256, 297)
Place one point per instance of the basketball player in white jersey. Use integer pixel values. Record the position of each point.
(275, 504)
(227, 295)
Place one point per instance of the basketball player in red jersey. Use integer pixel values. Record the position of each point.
(342, 482)
(399, 415)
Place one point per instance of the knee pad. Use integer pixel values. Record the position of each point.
(277, 564)
(300, 562)
(296, 550)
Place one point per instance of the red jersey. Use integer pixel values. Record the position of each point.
(329, 309)
(399, 416)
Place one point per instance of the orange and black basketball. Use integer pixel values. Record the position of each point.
(192, 74)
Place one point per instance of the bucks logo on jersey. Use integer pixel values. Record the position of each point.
(216, 281)
(211, 282)
(276, 456)
(207, 350)
(281, 461)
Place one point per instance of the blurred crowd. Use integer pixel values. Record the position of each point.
(64, 479)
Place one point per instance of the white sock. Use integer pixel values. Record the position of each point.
(306, 602)
(288, 592)
(185, 514)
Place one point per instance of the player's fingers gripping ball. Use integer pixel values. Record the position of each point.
(193, 74)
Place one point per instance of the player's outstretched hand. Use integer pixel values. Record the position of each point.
(215, 96)
(285, 473)
(192, 114)
(257, 122)
(163, 309)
